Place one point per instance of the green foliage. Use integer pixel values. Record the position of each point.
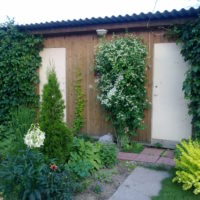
(58, 136)
(58, 141)
(58, 183)
(19, 174)
(188, 35)
(81, 169)
(19, 60)
(27, 176)
(80, 103)
(84, 157)
(52, 104)
(188, 167)
(120, 68)
(12, 135)
(130, 146)
(108, 155)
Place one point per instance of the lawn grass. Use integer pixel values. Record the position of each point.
(173, 191)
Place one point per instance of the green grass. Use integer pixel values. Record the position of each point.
(173, 191)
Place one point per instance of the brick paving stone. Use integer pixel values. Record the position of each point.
(166, 161)
(127, 156)
(168, 154)
(147, 158)
(152, 151)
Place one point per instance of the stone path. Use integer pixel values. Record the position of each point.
(141, 184)
(150, 155)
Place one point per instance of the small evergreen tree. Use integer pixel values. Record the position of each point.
(58, 136)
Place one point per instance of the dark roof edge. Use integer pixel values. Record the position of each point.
(166, 15)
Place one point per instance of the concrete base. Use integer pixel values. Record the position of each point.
(165, 143)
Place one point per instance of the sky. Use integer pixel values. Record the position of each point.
(36, 11)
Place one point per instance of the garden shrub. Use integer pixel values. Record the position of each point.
(108, 155)
(120, 69)
(19, 61)
(12, 135)
(187, 34)
(86, 156)
(58, 136)
(27, 176)
(188, 165)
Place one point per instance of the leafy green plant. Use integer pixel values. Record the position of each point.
(81, 169)
(187, 35)
(18, 176)
(187, 166)
(12, 135)
(130, 146)
(79, 104)
(58, 136)
(57, 182)
(86, 153)
(120, 69)
(19, 61)
(27, 176)
(108, 155)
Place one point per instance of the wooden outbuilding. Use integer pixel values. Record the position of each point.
(71, 46)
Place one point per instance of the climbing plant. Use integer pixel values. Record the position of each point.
(120, 70)
(79, 104)
(187, 35)
(19, 60)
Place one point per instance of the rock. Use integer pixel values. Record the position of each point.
(108, 138)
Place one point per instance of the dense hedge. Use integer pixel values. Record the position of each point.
(19, 60)
(188, 35)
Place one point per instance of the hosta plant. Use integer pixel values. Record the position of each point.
(188, 165)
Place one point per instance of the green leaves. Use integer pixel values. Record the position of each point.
(120, 66)
(19, 60)
(80, 103)
(59, 137)
(188, 35)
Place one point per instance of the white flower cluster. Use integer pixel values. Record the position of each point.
(34, 137)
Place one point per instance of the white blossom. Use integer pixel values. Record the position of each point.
(34, 137)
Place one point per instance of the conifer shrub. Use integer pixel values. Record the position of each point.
(188, 165)
(59, 137)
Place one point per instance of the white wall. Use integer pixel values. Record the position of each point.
(170, 119)
(56, 58)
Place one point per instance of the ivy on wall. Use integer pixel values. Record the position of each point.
(120, 70)
(19, 60)
(79, 104)
(188, 35)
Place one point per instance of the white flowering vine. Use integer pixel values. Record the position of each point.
(120, 68)
(34, 137)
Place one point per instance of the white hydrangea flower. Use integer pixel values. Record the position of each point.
(34, 137)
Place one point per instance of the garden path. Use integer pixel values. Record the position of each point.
(150, 156)
(141, 184)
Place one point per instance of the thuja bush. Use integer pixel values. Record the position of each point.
(120, 69)
(187, 35)
(19, 60)
(58, 136)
